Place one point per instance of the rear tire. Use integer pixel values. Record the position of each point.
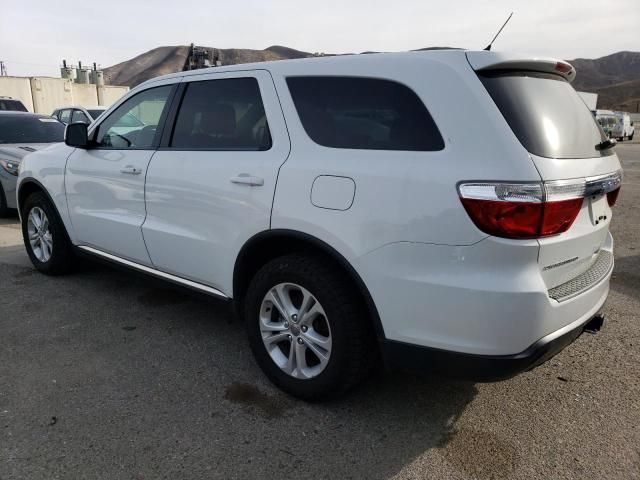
(337, 317)
(45, 237)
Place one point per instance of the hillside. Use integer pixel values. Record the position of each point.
(615, 77)
(163, 60)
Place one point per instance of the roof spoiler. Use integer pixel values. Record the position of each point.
(482, 61)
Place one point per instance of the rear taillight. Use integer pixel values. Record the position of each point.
(559, 216)
(521, 210)
(532, 210)
(505, 219)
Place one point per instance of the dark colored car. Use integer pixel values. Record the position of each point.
(20, 134)
(12, 105)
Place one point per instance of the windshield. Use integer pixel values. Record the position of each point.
(545, 113)
(95, 113)
(606, 121)
(30, 129)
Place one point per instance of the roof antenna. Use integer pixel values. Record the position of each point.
(488, 47)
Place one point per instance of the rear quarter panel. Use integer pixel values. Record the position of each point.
(399, 195)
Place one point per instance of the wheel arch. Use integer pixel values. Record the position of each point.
(29, 186)
(267, 245)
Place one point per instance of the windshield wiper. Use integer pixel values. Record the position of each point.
(606, 144)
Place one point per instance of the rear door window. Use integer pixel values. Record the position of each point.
(225, 114)
(545, 113)
(363, 113)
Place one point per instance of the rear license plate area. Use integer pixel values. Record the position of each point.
(598, 208)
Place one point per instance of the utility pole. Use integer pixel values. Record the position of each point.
(3, 69)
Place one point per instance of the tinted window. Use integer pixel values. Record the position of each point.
(65, 115)
(134, 124)
(79, 116)
(365, 113)
(546, 114)
(12, 105)
(30, 129)
(222, 115)
(95, 113)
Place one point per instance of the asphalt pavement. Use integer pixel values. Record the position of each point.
(108, 375)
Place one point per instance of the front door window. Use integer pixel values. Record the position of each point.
(134, 124)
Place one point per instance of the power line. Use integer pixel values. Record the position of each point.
(33, 64)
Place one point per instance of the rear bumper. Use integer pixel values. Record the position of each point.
(488, 299)
(483, 368)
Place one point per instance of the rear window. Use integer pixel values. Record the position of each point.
(545, 113)
(12, 105)
(30, 129)
(363, 113)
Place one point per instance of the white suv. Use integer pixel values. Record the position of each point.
(444, 210)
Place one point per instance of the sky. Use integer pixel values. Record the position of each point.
(35, 35)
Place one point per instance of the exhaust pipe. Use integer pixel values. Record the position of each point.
(595, 324)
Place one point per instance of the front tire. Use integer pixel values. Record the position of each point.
(307, 327)
(45, 237)
(4, 209)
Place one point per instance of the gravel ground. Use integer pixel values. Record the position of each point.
(105, 375)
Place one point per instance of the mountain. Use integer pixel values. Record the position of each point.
(156, 62)
(163, 60)
(615, 78)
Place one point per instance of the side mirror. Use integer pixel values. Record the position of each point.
(75, 135)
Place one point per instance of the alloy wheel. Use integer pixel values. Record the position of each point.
(40, 237)
(295, 330)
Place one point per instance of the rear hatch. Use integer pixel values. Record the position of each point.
(571, 152)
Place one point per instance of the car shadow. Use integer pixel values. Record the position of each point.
(171, 370)
(626, 276)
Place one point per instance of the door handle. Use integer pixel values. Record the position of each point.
(246, 179)
(131, 170)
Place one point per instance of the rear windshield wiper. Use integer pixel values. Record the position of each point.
(606, 144)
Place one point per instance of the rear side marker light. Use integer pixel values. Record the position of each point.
(532, 210)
